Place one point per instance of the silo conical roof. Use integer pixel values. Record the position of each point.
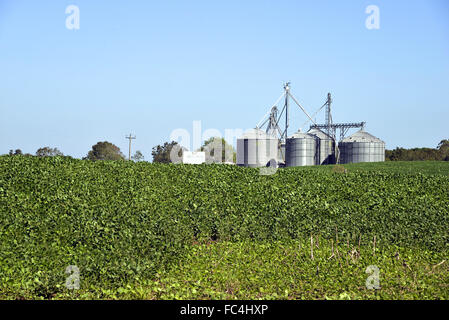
(319, 133)
(362, 136)
(300, 135)
(257, 134)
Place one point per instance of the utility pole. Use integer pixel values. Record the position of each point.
(130, 138)
(329, 130)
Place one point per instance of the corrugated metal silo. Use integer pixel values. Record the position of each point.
(361, 147)
(256, 149)
(281, 155)
(301, 150)
(325, 145)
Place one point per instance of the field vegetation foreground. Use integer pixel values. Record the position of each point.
(152, 231)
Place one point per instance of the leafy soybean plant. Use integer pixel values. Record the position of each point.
(123, 222)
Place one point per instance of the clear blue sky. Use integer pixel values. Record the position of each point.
(149, 67)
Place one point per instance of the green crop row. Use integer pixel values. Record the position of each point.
(122, 221)
(291, 270)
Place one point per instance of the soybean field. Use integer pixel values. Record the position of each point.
(128, 230)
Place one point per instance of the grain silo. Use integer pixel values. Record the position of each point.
(361, 147)
(281, 153)
(256, 149)
(301, 150)
(325, 146)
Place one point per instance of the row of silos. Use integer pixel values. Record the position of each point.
(258, 149)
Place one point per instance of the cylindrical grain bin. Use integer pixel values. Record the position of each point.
(325, 145)
(256, 149)
(301, 150)
(361, 147)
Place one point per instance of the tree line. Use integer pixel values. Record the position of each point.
(440, 153)
(101, 151)
(41, 152)
(161, 153)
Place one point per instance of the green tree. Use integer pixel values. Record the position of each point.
(169, 152)
(48, 152)
(419, 154)
(17, 152)
(138, 156)
(105, 151)
(443, 149)
(218, 151)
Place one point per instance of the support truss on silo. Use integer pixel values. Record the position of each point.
(343, 127)
(331, 128)
(273, 118)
